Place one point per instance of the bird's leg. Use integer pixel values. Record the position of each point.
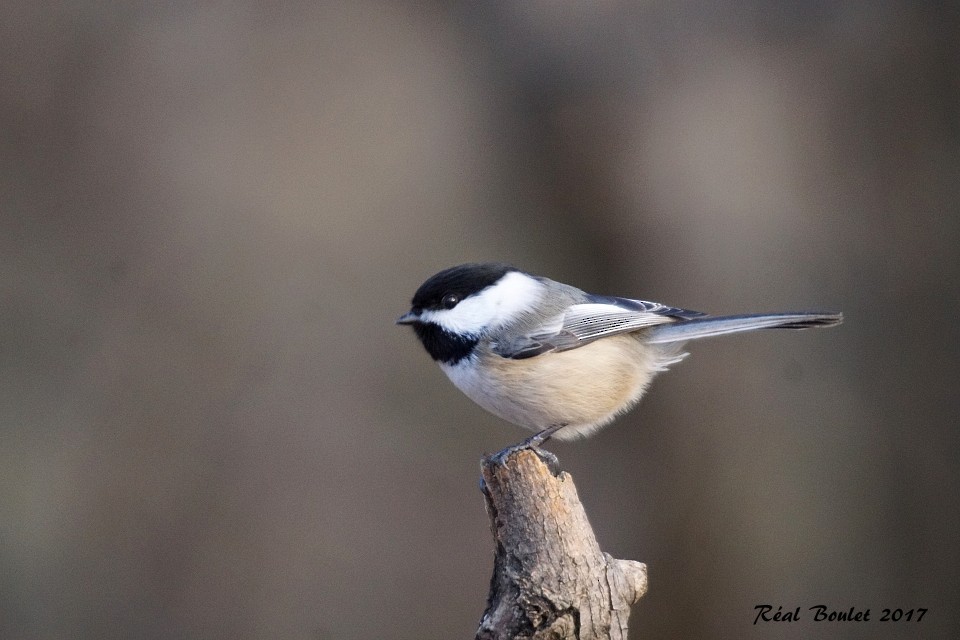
(540, 437)
(533, 443)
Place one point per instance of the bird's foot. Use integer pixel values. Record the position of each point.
(533, 444)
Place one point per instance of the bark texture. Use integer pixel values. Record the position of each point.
(550, 578)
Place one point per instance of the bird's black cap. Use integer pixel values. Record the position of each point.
(462, 281)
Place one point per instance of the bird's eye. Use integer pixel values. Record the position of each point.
(450, 300)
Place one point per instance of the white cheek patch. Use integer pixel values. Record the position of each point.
(514, 294)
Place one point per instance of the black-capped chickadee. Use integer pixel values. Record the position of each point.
(552, 358)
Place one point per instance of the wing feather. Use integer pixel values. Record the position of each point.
(581, 324)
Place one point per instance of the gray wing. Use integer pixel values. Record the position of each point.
(583, 323)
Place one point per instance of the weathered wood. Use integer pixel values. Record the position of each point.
(550, 578)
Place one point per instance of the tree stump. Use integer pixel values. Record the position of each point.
(550, 578)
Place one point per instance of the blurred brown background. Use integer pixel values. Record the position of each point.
(212, 216)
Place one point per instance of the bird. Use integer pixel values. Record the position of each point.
(554, 359)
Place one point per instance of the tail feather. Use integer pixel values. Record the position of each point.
(695, 328)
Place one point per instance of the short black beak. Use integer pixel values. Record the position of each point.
(408, 318)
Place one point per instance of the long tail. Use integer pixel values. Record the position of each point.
(707, 327)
